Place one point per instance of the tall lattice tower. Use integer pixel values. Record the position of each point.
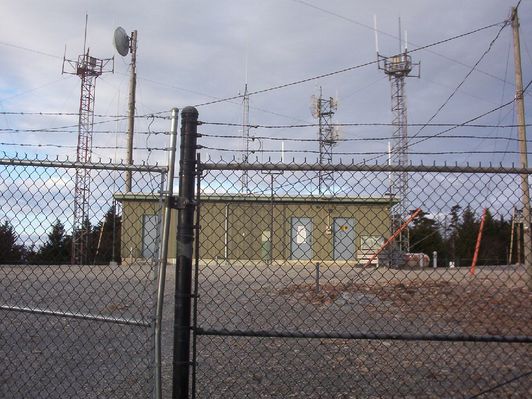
(397, 68)
(323, 109)
(88, 69)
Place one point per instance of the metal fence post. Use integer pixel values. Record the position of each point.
(317, 277)
(163, 258)
(185, 237)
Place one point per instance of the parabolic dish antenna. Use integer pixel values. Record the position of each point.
(121, 41)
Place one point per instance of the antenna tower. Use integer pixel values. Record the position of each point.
(397, 68)
(245, 139)
(88, 69)
(323, 109)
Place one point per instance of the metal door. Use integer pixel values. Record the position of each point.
(344, 238)
(301, 238)
(150, 236)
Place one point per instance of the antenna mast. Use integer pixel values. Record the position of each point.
(245, 138)
(399, 67)
(323, 109)
(88, 69)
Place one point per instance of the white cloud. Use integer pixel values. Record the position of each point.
(200, 47)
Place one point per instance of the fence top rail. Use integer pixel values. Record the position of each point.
(295, 167)
(67, 164)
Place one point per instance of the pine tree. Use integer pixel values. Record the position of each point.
(10, 251)
(58, 248)
(425, 235)
(106, 238)
(495, 239)
(453, 232)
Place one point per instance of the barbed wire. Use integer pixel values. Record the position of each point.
(362, 139)
(47, 131)
(166, 133)
(96, 147)
(277, 151)
(156, 115)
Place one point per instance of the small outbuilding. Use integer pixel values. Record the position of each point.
(251, 227)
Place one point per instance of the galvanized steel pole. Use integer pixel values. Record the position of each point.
(163, 259)
(185, 237)
(520, 107)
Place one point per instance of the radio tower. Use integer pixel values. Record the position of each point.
(323, 109)
(245, 138)
(88, 69)
(399, 67)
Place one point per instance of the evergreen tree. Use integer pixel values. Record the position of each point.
(106, 238)
(463, 234)
(495, 241)
(425, 235)
(452, 232)
(10, 251)
(58, 248)
(467, 237)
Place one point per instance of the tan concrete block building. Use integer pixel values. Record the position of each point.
(249, 227)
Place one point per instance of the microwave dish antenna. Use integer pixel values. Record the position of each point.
(121, 41)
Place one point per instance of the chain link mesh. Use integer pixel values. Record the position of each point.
(300, 292)
(77, 330)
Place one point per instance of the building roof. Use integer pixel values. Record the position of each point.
(266, 199)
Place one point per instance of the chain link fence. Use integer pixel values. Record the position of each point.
(310, 291)
(73, 329)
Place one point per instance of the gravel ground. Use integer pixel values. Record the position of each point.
(58, 357)
(47, 356)
(284, 298)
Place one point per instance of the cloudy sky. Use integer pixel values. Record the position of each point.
(191, 53)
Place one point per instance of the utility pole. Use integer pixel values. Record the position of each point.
(125, 44)
(520, 107)
(131, 106)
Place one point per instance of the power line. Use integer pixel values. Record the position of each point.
(31, 50)
(23, 92)
(325, 75)
(472, 119)
(215, 98)
(363, 124)
(282, 86)
(395, 37)
(425, 138)
(463, 80)
(500, 118)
